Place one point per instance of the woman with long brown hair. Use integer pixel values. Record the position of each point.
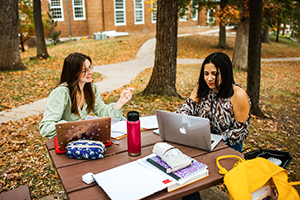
(76, 96)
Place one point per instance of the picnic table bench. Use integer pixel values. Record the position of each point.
(20, 193)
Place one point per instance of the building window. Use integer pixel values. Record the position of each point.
(183, 17)
(154, 12)
(195, 10)
(210, 17)
(56, 9)
(78, 9)
(120, 15)
(139, 11)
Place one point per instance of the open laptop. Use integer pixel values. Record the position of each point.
(90, 129)
(186, 130)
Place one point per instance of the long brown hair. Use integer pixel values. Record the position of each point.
(72, 68)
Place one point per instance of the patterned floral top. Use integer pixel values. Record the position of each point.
(220, 113)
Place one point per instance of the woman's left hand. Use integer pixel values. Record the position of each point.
(124, 98)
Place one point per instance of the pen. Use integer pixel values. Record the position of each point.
(137, 84)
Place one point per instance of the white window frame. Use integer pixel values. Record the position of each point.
(58, 7)
(195, 17)
(154, 13)
(183, 18)
(83, 10)
(139, 9)
(122, 10)
(207, 18)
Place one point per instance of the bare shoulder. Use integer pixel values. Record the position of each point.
(240, 104)
(239, 94)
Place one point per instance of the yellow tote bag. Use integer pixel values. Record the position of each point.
(250, 178)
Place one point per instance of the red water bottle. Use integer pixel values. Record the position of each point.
(133, 133)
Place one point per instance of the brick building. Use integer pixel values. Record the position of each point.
(79, 18)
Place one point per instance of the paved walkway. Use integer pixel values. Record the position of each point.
(117, 75)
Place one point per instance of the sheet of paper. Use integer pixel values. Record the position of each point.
(156, 131)
(116, 134)
(115, 120)
(149, 122)
(120, 126)
(130, 181)
(90, 117)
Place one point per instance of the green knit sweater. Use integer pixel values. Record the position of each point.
(58, 109)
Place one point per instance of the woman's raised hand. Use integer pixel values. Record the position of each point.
(124, 98)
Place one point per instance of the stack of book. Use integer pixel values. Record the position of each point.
(196, 171)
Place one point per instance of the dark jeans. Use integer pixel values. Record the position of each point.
(238, 147)
(196, 195)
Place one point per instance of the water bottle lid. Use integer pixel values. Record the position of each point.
(133, 116)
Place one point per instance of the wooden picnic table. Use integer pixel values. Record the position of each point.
(70, 171)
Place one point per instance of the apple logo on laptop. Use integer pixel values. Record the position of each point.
(182, 130)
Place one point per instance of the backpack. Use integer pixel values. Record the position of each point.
(257, 178)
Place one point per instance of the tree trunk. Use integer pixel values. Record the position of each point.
(254, 55)
(9, 40)
(163, 78)
(39, 31)
(278, 29)
(266, 31)
(222, 32)
(240, 53)
(283, 30)
(22, 42)
(266, 34)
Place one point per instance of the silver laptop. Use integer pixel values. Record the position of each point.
(186, 130)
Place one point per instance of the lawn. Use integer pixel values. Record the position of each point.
(42, 76)
(23, 155)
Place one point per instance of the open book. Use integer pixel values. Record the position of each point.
(119, 128)
(140, 178)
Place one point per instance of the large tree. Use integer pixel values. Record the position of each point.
(240, 53)
(9, 41)
(266, 29)
(26, 24)
(222, 30)
(254, 55)
(163, 78)
(39, 31)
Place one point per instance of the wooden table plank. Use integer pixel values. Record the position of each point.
(90, 193)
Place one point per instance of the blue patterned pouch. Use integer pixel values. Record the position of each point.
(85, 149)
